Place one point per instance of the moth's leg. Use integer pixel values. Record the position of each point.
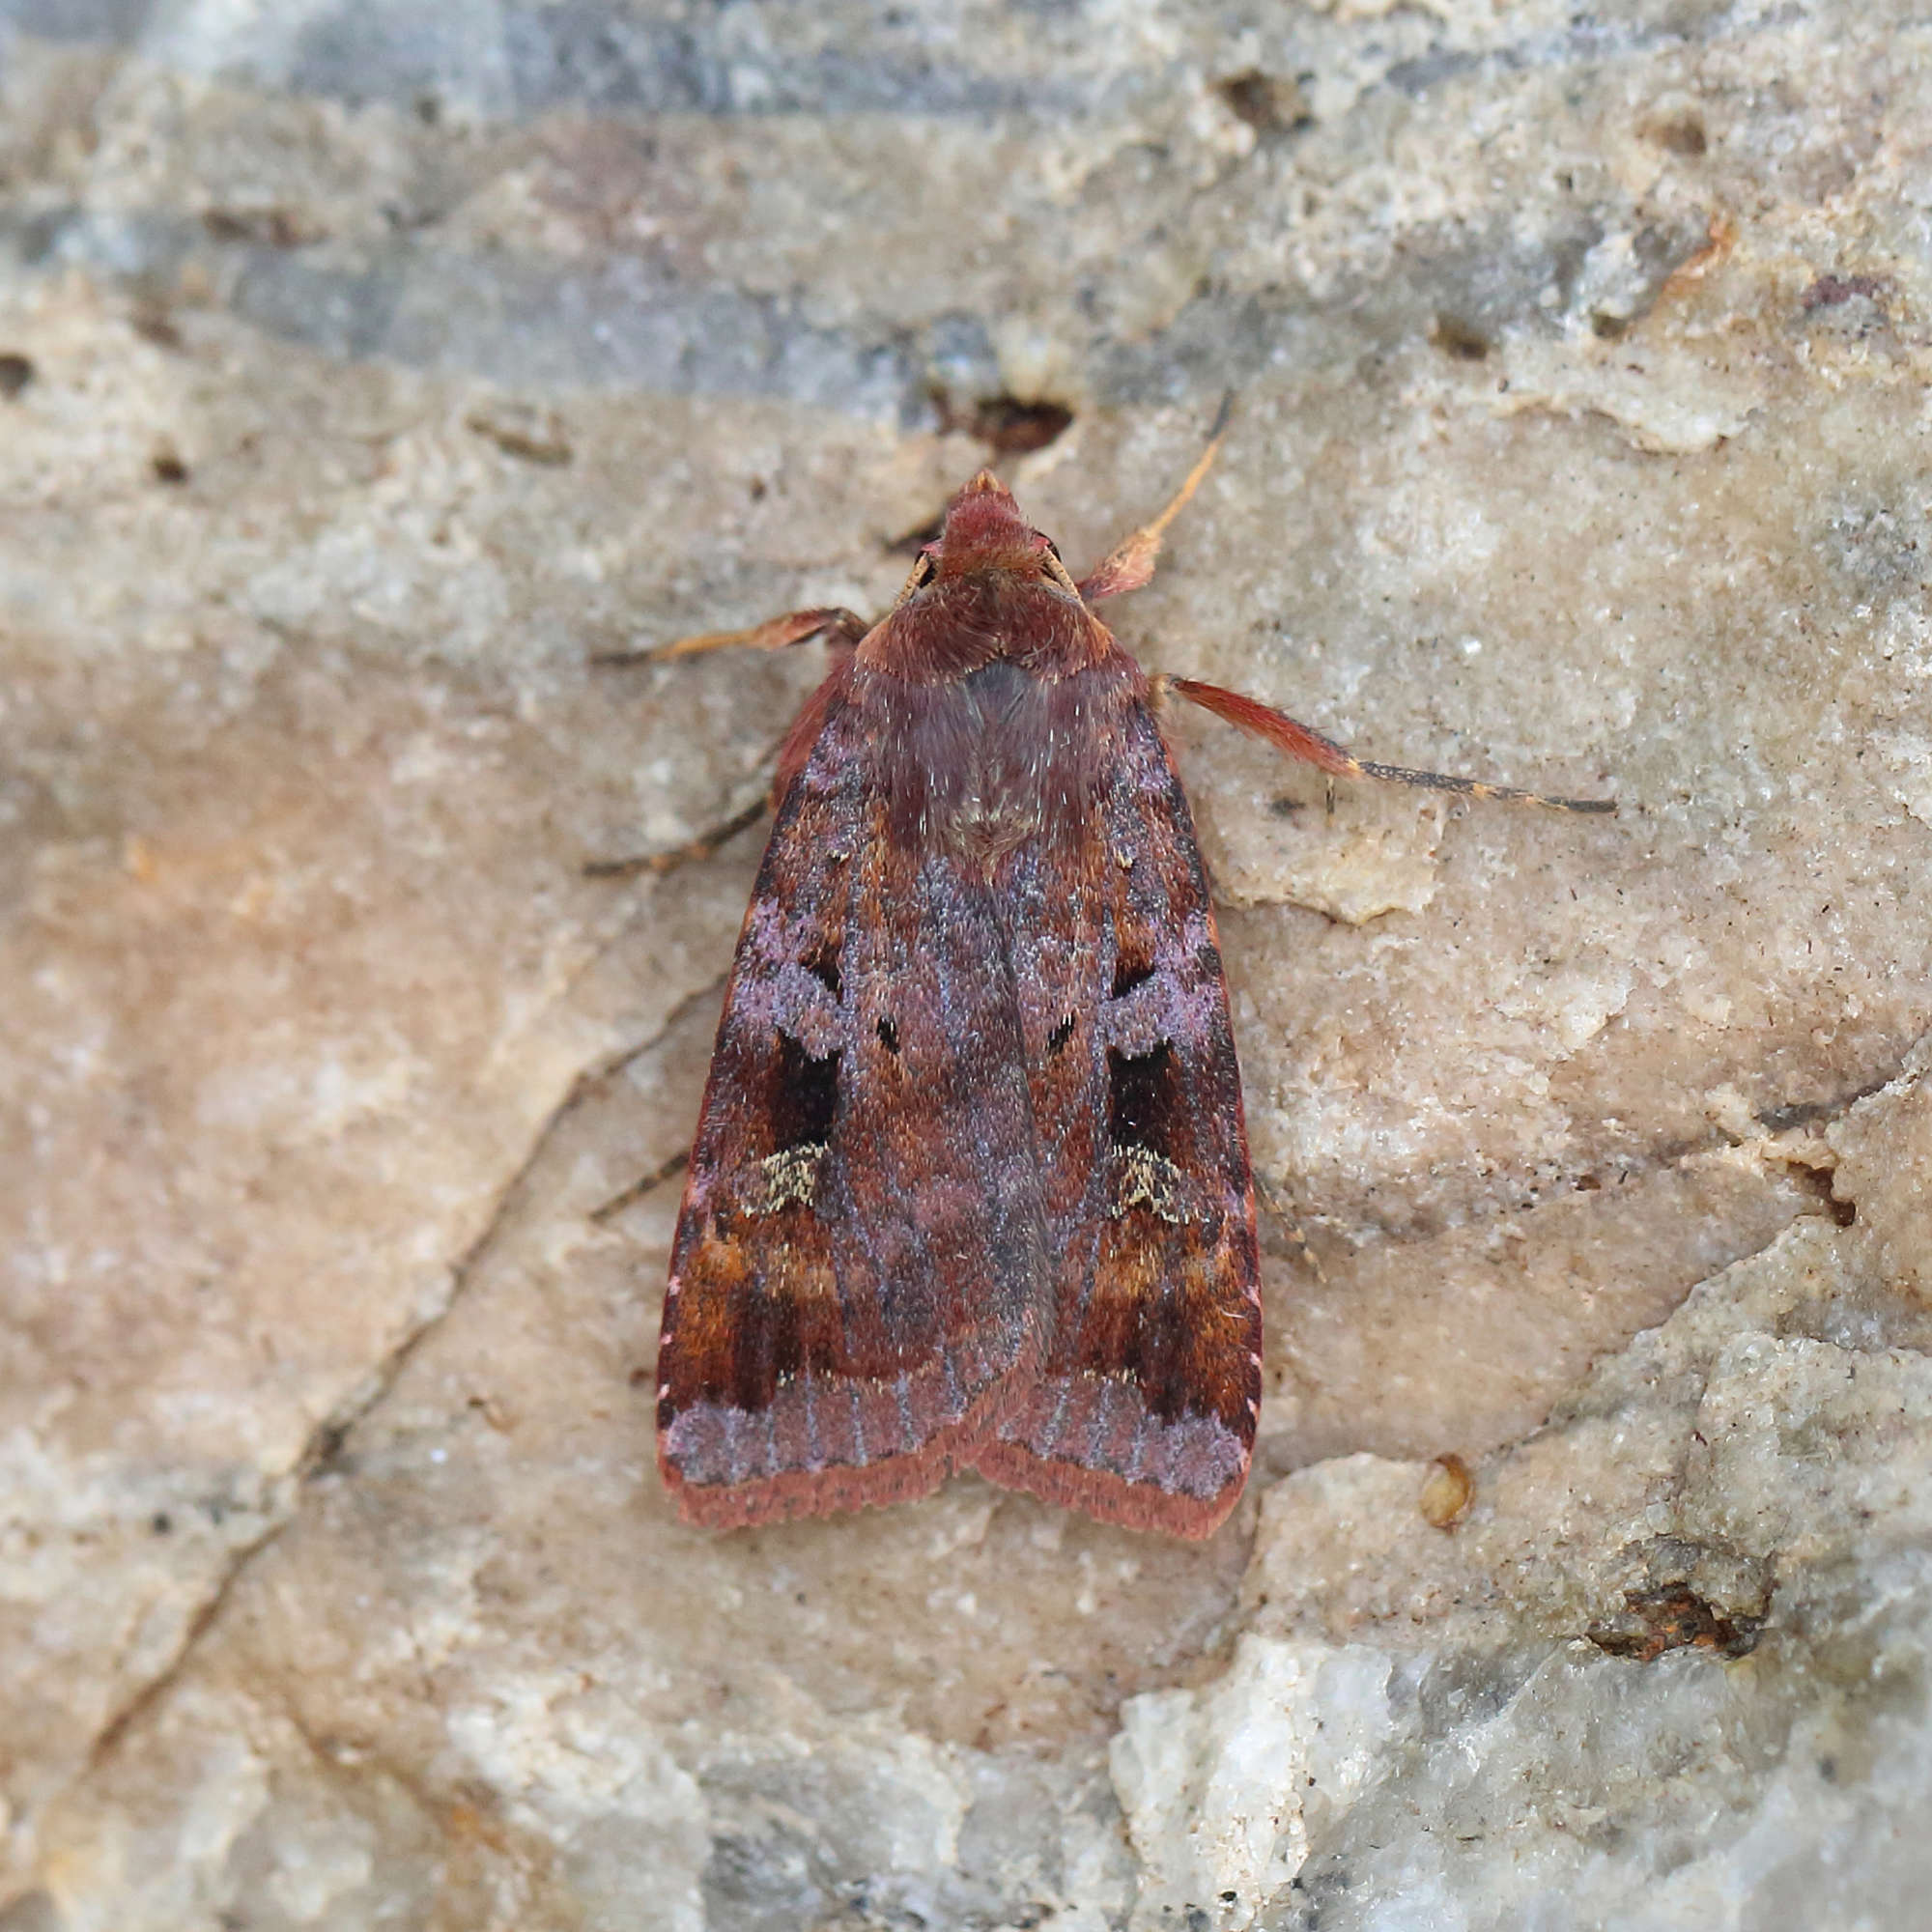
(1129, 564)
(842, 629)
(1282, 1211)
(1286, 734)
(775, 633)
(645, 1183)
(674, 856)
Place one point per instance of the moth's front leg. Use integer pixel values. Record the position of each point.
(831, 621)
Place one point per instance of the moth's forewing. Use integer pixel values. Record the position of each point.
(1143, 1412)
(856, 1284)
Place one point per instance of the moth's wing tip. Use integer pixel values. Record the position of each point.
(793, 1494)
(1112, 1498)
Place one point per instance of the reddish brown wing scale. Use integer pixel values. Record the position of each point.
(856, 1277)
(1145, 1410)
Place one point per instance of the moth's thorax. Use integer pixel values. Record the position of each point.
(954, 625)
(985, 763)
(991, 691)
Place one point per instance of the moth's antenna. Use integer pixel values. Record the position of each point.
(1130, 563)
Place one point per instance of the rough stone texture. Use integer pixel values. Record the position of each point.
(365, 369)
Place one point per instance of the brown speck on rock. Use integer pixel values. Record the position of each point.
(1271, 104)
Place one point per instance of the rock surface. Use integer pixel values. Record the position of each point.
(367, 369)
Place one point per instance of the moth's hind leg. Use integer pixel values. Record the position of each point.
(1295, 740)
(1280, 1210)
(709, 841)
(841, 628)
(1130, 563)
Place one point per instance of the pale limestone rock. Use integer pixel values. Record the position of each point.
(1217, 1785)
(1750, 1491)
(369, 368)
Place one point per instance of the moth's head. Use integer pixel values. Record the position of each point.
(984, 530)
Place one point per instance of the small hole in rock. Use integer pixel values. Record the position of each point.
(1269, 104)
(1460, 340)
(1009, 425)
(1679, 135)
(1817, 1181)
(154, 323)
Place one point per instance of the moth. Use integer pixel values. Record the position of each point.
(970, 1187)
